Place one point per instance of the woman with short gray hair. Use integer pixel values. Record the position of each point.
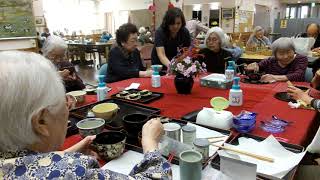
(55, 49)
(284, 65)
(215, 56)
(34, 118)
(257, 38)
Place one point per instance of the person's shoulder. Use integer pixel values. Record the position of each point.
(115, 50)
(204, 50)
(301, 57)
(184, 30)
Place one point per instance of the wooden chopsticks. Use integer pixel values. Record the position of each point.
(263, 158)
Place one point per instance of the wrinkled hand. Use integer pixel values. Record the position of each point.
(71, 101)
(71, 77)
(298, 94)
(316, 50)
(83, 147)
(252, 67)
(268, 78)
(64, 74)
(151, 134)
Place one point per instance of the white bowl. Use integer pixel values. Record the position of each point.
(79, 95)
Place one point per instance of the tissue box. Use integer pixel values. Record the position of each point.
(216, 81)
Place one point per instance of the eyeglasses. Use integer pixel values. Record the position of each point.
(212, 39)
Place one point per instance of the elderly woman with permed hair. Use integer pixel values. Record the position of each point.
(284, 65)
(34, 118)
(55, 50)
(257, 38)
(215, 56)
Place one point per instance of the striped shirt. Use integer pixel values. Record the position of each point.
(295, 71)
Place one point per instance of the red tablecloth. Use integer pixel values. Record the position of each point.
(257, 98)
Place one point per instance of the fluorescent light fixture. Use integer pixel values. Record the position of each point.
(313, 4)
(214, 5)
(197, 7)
(299, 1)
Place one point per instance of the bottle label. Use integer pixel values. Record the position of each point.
(229, 75)
(156, 81)
(235, 100)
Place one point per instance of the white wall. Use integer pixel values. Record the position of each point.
(124, 5)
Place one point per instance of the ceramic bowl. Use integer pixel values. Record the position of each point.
(133, 123)
(253, 76)
(79, 95)
(105, 110)
(109, 145)
(90, 126)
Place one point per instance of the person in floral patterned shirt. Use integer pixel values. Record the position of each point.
(33, 118)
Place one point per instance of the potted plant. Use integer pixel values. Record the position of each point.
(186, 66)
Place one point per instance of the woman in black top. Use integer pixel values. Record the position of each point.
(215, 57)
(124, 59)
(170, 36)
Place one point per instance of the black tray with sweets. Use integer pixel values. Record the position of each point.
(215, 163)
(125, 107)
(137, 95)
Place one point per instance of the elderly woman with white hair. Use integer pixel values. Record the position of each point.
(34, 118)
(55, 49)
(257, 38)
(284, 65)
(215, 56)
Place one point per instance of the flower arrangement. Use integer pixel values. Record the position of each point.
(186, 63)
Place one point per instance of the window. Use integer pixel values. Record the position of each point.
(287, 12)
(292, 13)
(304, 12)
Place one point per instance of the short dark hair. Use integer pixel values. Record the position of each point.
(124, 31)
(170, 18)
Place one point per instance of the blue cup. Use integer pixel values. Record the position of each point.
(190, 165)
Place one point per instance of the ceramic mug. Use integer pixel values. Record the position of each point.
(172, 130)
(109, 145)
(190, 164)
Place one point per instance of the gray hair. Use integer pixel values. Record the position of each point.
(142, 30)
(29, 83)
(52, 43)
(221, 35)
(283, 43)
(257, 29)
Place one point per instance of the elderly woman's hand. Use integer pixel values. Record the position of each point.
(64, 74)
(298, 94)
(151, 134)
(252, 67)
(83, 146)
(268, 78)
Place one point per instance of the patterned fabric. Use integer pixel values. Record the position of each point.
(294, 71)
(62, 165)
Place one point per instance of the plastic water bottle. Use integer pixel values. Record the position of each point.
(102, 89)
(229, 71)
(156, 78)
(235, 94)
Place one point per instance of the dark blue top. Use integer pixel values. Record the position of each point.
(170, 45)
(122, 66)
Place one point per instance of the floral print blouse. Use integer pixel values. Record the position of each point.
(64, 165)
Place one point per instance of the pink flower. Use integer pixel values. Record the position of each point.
(187, 60)
(193, 68)
(180, 67)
